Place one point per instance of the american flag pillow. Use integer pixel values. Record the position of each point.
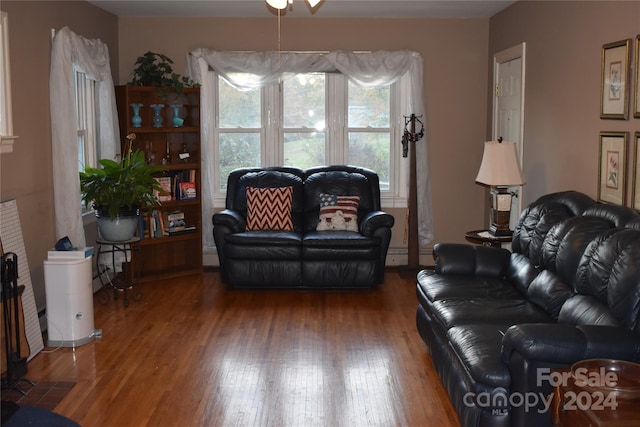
(338, 212)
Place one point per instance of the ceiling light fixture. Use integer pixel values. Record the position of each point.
(282, 4)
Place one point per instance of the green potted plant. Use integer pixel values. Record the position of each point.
(118, 190)
(155, 69)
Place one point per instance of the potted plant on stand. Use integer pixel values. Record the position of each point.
(118, 190)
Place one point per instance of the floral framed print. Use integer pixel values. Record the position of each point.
(612, 171)
(614, 88)
(635, 188)
(636, 92)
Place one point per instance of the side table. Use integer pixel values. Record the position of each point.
(123, 281)
(482, 237)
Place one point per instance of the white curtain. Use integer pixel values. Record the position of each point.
(71, 52)
(249, 70)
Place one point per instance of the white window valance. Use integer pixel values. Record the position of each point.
(251, 70)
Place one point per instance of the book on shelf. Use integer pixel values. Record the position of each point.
(188, 190)
(183, 230)
(176, 221)
(165, 194)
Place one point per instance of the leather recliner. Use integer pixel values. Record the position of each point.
(303, 257)
(494, 320)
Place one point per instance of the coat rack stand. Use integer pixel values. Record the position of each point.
(409, 139)
(11, 313)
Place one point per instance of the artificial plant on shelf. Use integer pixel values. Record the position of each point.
(118, 190)
(155, 69)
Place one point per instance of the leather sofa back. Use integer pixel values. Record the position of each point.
(240, 179)
(340, 181)
(579, 260)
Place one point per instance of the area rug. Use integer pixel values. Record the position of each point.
(44, 394)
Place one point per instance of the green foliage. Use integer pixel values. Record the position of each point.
(154, 69)
(129, 183)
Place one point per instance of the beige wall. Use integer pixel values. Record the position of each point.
(562, 95)
(564, 42)
(455, 75)
(25, 174)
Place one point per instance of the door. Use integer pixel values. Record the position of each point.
(508, 108)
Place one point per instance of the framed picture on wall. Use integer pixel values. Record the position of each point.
(612, 171)
(636, 92)
(635, 188)
(614, 88)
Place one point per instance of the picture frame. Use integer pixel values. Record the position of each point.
(614, 88)
(635, 188)
(612, 169)
(636, 96)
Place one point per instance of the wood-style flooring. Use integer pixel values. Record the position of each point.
(194, 353)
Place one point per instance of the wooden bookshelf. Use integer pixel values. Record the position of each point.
(177, 150)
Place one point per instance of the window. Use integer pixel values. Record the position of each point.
(85, 97)
(6, 120)
(309, 120)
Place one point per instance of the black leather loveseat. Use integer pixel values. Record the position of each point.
(496, 322)
(304, 257)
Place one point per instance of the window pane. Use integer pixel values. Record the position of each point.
(304, 101)
(237, 150)
(369, 107)
(304, 150)
(371, 150)
(238, 108)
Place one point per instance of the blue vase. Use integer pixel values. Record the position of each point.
(157, 118)
(177, 121)
(136, 120)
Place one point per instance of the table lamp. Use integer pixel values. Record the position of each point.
(499, 170)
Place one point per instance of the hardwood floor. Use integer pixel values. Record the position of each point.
(193, 353)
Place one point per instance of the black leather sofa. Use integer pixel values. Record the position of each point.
(303, 257)
(496, 322)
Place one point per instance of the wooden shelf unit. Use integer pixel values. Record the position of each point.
(174, 255)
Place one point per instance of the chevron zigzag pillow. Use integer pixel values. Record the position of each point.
(269, 208)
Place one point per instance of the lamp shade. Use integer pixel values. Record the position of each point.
(277, 4)
(499, 165)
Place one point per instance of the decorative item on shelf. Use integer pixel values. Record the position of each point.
(499, 169)
(118, 190)
(177, 121)
(136, 120)
(151, 156)
(184, 155)
(167, 156)
(157, 117)
(154, 69)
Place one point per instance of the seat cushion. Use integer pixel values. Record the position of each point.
(341, 245)
(459, 311)
(479, 349)
(263, 244)
(439, 287)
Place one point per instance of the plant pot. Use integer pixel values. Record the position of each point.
(121, 228)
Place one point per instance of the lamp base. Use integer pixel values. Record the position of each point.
(500, 211)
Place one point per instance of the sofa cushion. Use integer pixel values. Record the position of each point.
(462, 311)
(269, 208)
(479, 348)
(271, 245)
(338, 212)
(438, 287)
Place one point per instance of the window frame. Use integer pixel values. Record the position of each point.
(86, 118)
(7, 138)
(272, 137)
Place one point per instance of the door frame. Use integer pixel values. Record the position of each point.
(514, 52)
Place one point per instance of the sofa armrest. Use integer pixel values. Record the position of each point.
(463, 259)
(231, 219)
(374, 220)
(567, 344)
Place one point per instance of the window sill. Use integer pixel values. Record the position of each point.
(6, 145)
